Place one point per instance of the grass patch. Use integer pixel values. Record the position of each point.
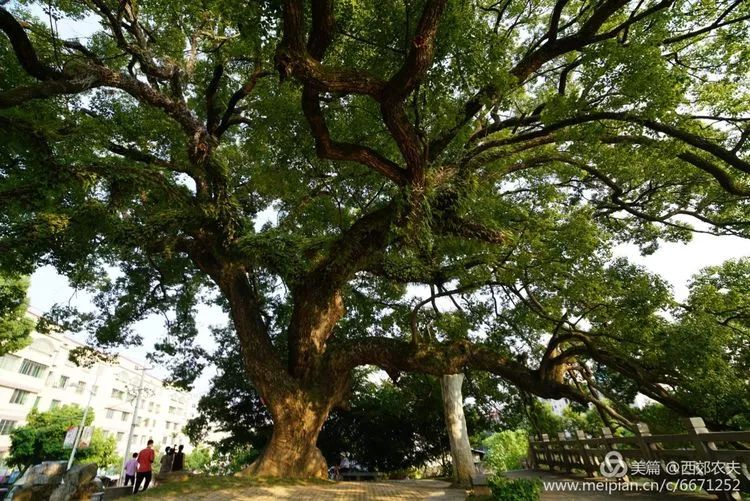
(205, 483)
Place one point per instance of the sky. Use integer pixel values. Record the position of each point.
(48, 288)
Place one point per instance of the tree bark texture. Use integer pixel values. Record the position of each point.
(292, 451)
(458, 434)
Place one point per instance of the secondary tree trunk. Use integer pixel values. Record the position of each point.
(455, 422)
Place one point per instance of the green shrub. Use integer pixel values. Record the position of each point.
(506, 450)
(520, 489)
(221, 463)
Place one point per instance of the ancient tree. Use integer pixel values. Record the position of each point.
(301, 164)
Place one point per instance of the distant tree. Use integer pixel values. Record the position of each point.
(228, 461)
(103, 451)
(41, 439)
(15, 326)
(232, 405)
(198, 459)
(708, 349)
(660, 419)
(506, 450)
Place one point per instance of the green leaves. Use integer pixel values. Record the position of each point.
(506, 450)
(15, 326)
(41, 439)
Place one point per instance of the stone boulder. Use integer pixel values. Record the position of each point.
(50, 481)
(39, 492)
(48, 472)
(79, 483)
(39, 481)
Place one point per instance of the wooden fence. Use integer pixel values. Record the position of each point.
(709, 459)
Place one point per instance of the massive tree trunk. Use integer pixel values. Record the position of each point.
(292, 451)
(299, 394)
(458, 434)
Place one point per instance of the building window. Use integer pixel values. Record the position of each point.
(54, 404)
(9, 362)
(36, 402)
(19, 397)
(125, 415)
(120, 435)
(118, 394)
(63, 382)
(6, 426)
(32, 369)
(81, 387)
(110, 413)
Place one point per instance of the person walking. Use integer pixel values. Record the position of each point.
(131, 466)
(179, 460)
(145, 460)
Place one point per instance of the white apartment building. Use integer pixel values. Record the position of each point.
(41, 376)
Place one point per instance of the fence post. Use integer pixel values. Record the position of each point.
(565, 455)
(547, 452)
(705, 451)
(642, 433)
(610, 446)
(533, 464)
(583, 450)
(609, 440)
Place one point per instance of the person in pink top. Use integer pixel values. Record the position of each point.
(130, 468)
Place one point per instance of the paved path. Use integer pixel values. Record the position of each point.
(373, 490)
(591, 495)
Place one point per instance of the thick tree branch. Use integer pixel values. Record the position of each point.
(294, 59)
(23, 48)
(420, 55)
(318, 304)
(332, 150)
(675, 132)
(554, 47)
(229, 115)
(396, 356)
(262, 361)
(212, 111)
